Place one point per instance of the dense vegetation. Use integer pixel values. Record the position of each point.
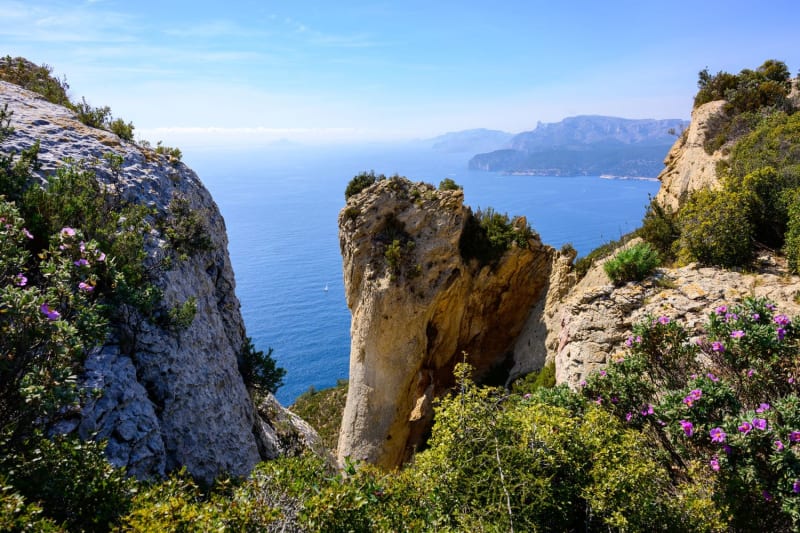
(488, 234)
(323, 409)
(655, 442)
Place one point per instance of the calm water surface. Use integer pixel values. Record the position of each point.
(281, 207)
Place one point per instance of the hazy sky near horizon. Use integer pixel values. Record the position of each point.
(374, 70)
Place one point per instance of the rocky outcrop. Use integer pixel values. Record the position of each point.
(688, 166)
(591, 325)
(419, 308)
(177, 398)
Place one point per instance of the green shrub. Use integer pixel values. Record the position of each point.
(632, 264)
(792, 245)
(543, 378)
(121, 129)
(361, 182)
(18, 515)
(660, 228)
(38, 79)
(173, 155)
(583, 264)
(187, 228)
(72, 481)
(488, 234)
(716, 228)
(94, 117)
(259, 371)
(448, 184)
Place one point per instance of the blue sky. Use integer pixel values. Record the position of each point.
(352, 70)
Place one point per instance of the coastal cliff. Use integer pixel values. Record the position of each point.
(419, 307)
(170, 398)
(688, 167)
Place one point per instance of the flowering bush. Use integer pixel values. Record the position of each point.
(739, 413)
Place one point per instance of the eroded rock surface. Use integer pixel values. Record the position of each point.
(417, 312)
(688, 166)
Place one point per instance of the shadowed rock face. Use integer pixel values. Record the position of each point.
(418, 311)
(176, 398)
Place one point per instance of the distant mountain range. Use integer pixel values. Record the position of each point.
(471, 141)
(577, 146)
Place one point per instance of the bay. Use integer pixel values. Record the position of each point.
(281, 205)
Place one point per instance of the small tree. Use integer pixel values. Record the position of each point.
(259, 371)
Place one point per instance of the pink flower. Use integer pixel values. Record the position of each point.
(629, 342)
(737, 334)
(750, 372)
(81, 262)
(756, 316)
(599, 400)
(27, 233)
(100, 256)
(712, 377)
(796, 486)
(49, 313)
(67, 232)
(717, 346)
(721, 310)
(780, 333)
(20, 280)
(746, 427)
(602, 373)
(647, 410)
(762, 407)
(688, 427)
(760, 423)
(85, 287)
(794, 436)
(663, 320)
(714, 462)
(779, 445)
(693, 396)
(767, 496)
(628, 417)
(717, 435)
(782, 320)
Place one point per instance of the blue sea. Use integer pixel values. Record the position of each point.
(280, 207)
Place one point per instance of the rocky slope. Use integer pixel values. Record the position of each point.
(178, 399)
(590, 325)
(687, 166)
(417, 313)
